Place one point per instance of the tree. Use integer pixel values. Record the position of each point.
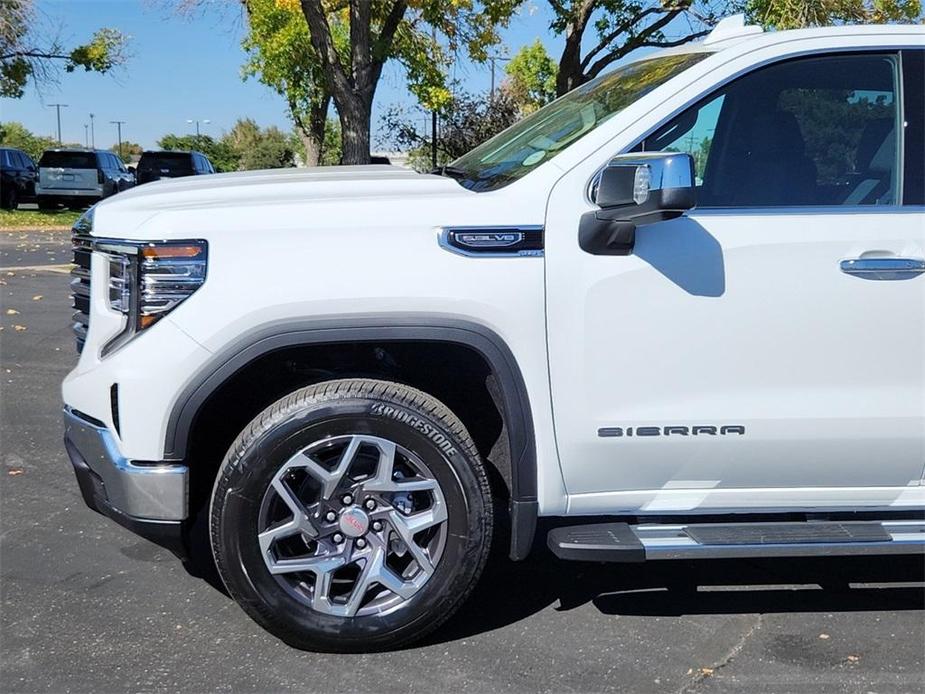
(258, 148)
(130, 150)
(13, 134)
(330, 148)
(794, 14)
(26, 53)
(466, 121)
(280, 54)
(398, 29)
(621, 27)
(531, 77)
(222, 156)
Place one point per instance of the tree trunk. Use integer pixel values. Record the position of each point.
(355, 111)
(313, 148)
(570, 73)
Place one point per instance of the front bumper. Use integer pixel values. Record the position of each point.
(69, 192)
(149, 499)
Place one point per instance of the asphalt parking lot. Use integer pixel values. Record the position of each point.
(88, 607)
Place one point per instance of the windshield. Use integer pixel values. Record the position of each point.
(542, 135)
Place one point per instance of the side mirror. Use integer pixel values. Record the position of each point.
(131, 170)
(634, 190)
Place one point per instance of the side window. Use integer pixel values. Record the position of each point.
(197, 164)
(812, 131)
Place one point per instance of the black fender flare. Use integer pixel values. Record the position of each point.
(283, 334)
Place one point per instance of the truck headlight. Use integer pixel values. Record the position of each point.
(148, 280)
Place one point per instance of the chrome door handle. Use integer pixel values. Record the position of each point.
(883, 268)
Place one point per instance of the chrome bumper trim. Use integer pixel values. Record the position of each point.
(154, 491)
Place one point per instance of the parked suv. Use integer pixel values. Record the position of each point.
(17, 178)
(169, 164)
(79, 177)
(678, 313)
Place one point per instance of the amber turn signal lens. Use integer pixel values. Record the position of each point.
(145, 321)
(171, 251)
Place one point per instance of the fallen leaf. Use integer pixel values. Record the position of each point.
(19, 328)
(15, 471)
(37, 297)
(853, 658)
(12, 312)
(824, 636)
(706, 671)
(11, 274)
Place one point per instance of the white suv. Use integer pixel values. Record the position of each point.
(679, 312)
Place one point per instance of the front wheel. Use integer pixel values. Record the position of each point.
(11, 199)
(352, 515)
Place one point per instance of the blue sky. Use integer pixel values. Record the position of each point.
(188, 68)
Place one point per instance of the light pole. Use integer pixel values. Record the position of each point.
(119, 124)
(204, 121)
(493, 59)
(58, 108)
(92, 133)
(87, 135)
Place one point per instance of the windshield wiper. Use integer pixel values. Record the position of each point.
(451, 172)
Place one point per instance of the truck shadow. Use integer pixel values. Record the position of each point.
(510, 592)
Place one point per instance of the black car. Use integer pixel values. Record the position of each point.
(169, 164)
(17, 178)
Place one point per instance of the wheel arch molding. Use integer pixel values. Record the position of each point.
(282, 335)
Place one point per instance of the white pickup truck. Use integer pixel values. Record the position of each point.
(679, 312)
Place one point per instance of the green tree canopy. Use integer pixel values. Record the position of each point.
(13, 134)
(531, 77)
(130, 150)
(27, 53)
(280, 54)
(259, 148)
(795, 14)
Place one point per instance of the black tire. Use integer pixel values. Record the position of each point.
(11, 198)
(411, 419)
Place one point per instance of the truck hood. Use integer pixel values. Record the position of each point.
(279, 186)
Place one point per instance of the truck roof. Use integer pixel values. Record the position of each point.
(733, 31)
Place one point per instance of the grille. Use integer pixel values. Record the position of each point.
(80, 285)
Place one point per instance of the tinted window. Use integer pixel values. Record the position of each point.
(815, 131)
(69, 160)
(4, 160)
(165, 160)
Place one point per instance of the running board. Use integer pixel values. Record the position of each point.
(622, 542)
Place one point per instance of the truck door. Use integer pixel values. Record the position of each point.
(765, 350)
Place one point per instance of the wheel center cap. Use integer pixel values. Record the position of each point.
(354, 522)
